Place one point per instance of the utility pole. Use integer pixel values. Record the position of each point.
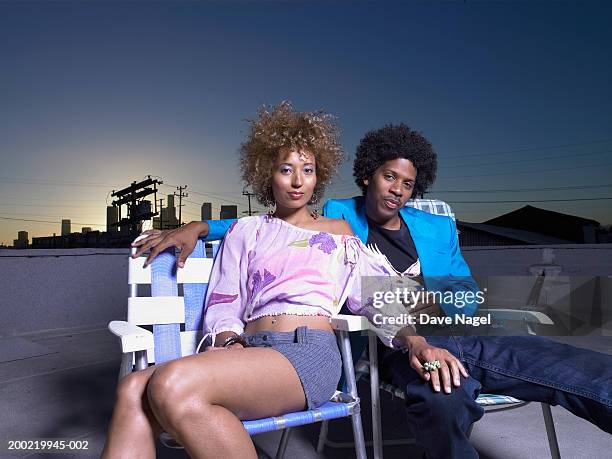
(248, 195)
(181, 195)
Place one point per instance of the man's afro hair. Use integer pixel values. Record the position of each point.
(394, 141)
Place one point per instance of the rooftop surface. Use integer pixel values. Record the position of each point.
(59, 364)
(61, 384)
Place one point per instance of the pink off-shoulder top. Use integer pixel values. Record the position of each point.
(268, 267)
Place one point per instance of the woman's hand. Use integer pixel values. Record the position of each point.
(420, 351)
(183, 238)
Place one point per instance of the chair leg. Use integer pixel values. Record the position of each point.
(349, 373)
(126, 365)
(375, 395)
(360, 447)
(322, 436)
(550, 431)
(141, 360)
(282, 446)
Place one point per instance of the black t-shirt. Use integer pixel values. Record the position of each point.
(397, 245)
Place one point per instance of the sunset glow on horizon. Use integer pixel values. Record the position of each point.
(515, 98)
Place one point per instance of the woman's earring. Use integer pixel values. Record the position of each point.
(314, 198)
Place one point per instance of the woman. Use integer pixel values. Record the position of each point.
(275, 284)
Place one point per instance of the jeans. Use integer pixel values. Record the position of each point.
(530, 368)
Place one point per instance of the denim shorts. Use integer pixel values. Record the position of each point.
(313, 353)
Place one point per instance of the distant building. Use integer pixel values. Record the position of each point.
(112, 217)
(481, 234)
(228, 212)
(85, 229)
(22, 240)
(65, 227)
(167, 216)
(206, 211)
(84, 239)
(547, 222)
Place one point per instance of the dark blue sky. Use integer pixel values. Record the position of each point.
(95, 95)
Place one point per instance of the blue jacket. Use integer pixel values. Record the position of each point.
(435, 237)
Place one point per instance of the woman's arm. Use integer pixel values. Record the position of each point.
(227, 293)
(183, 238)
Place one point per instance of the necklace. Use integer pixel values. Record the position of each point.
(314, 214)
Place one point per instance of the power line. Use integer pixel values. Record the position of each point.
(200, 204)
(519, 190)
(42, 201)
(55, 182)
(503, 190)
(509, 190)
(191, 213)
(513, 161)
(532, 149)
(218, 198)
(528, 172)
(529, 200)
(48, 221)
(49, 205)
(37, 214)
(213, 196)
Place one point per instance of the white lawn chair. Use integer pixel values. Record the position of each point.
(176, 323)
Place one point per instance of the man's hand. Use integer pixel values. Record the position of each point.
(450, 367)
(183, 238)
(231, 346)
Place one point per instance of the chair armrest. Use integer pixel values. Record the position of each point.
(133, 338)
(349, 323)
(518, 315)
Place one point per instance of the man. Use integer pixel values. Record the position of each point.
(393, 164)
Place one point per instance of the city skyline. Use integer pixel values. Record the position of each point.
(512, 96)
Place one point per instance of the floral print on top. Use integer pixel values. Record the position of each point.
(267, 267)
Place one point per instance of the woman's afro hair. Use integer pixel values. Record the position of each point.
(283, 127)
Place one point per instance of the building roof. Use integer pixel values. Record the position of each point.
(545, 222)
(517, 235)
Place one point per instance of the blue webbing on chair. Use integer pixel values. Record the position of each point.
(215, 248)
(167, 337)
(194, 295)
(329, 410)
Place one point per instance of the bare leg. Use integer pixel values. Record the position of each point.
(133, 428)
(201, 399)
